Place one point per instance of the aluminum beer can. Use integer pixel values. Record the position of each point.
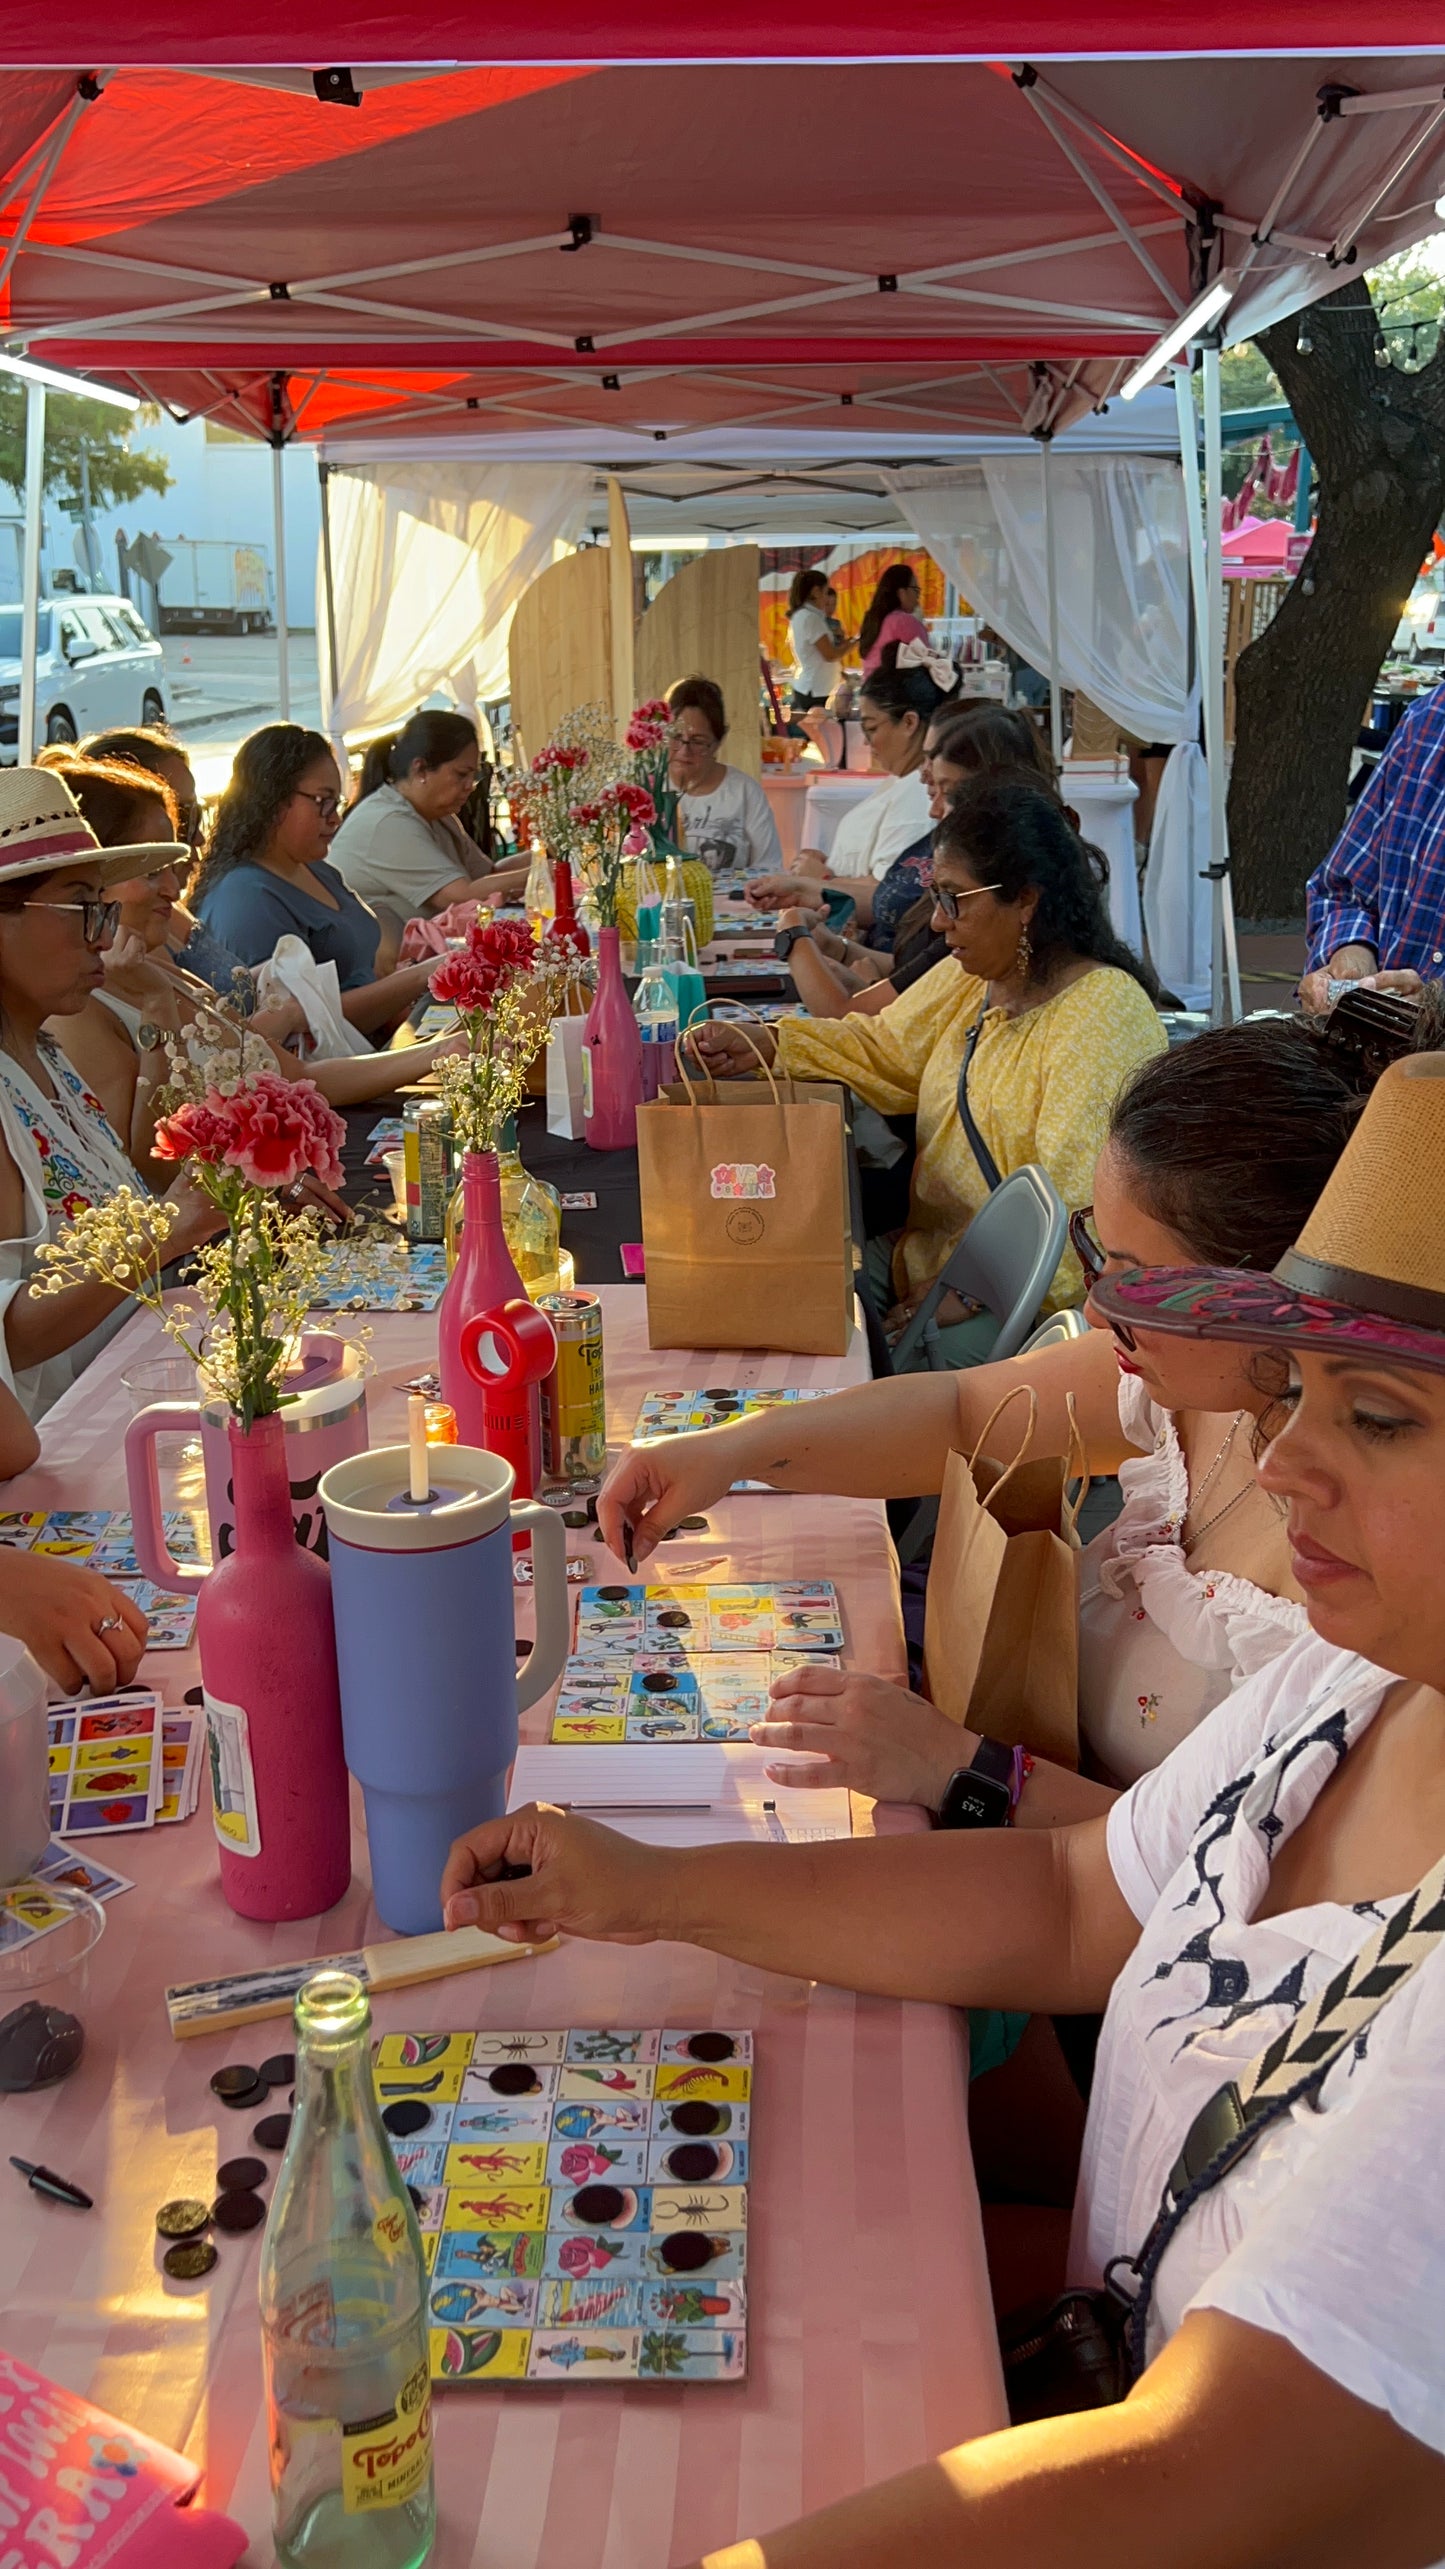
(426, 1142)
(574, 1407)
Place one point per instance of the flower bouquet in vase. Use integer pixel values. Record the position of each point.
(263, 1617)
(503, 988)
(615, 827)
(646, 746)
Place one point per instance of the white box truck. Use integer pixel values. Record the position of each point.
(213, 587)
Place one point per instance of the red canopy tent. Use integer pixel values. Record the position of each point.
(782, 229)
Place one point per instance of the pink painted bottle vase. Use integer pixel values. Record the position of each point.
(267, 1645)
(611, 1056)
(483, 1278)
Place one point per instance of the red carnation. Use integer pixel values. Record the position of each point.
(194, 1132)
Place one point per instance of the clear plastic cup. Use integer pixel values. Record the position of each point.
(395, 1165)
(165, 1378)
(52, 1969)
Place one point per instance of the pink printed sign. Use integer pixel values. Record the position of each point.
(78, 2490)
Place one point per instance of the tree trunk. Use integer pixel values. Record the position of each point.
(1302, 690)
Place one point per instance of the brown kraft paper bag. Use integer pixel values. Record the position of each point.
(745, 1216)
(1001, 1625)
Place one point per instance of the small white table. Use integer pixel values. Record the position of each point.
(828, 800)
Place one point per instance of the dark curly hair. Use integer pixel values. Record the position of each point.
(266, 772)
(1014, 834)
(1230, 1139)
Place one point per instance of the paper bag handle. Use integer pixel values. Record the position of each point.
(764, 1065)
(1076, 1469)
(986, 1431)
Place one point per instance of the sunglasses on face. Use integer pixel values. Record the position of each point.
(97, 918)
(949, 899)
(1093, 1257)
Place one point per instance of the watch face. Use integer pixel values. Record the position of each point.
(974, 1801)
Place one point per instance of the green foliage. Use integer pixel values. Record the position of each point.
(118, 471)
(1409, 297)
(1247, 381)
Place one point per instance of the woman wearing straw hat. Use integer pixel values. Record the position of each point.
(1264, 1916)
(57, 1151)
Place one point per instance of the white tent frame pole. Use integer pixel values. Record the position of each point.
(1226, 1005)
(1101, 196)
(25, 745)
(1345, 239)
(1051, 578)
(278, 529)
(324, 472)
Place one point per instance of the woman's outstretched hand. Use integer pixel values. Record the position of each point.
(540, 1872)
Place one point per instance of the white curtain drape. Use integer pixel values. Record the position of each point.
(1124, 614)
(428, 563)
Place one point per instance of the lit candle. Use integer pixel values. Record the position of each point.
(416, 1436)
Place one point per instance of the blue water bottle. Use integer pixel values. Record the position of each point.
(426, 1644)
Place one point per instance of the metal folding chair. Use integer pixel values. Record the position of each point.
(1007, 1260)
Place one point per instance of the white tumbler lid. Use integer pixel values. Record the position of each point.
(367, 1503)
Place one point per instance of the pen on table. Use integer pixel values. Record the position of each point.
(60, 2189)
(634, 1810)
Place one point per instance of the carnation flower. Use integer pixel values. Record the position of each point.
(272, 1132)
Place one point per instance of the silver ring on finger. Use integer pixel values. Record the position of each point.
(111, 1623)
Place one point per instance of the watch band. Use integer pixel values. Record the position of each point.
(786, 939)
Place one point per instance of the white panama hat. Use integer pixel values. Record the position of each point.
(43, 827)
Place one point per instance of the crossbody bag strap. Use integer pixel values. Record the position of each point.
(988, 1165)
(1289, 2069)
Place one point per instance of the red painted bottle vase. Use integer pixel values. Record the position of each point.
(483, 1277)
(611, 1056)
(566, 928)
(267, 1642)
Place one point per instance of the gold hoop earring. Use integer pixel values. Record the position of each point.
(1023, 960)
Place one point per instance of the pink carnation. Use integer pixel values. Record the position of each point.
(194, 1132)
(656, 710)
(488, 963)
(272, 1131)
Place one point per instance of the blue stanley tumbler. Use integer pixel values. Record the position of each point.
(426, 1643)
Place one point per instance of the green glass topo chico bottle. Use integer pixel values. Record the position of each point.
(343, 2313)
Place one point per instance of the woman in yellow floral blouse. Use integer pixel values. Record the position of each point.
(1051, 1009)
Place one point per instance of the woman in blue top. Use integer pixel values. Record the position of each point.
(264, 875)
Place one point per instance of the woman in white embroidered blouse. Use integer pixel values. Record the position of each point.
(57, 1151)
(1288, 2397)
(1217, 1150)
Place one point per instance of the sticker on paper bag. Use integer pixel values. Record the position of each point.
(743, 1178)
(233, 1778)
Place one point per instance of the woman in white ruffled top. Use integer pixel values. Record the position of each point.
(1216, 1154)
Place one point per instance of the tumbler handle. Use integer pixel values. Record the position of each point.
(547, 1657)
(163, 1418)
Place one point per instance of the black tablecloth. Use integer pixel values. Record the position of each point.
(594, 1237)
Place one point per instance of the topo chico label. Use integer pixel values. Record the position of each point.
(386, 2461)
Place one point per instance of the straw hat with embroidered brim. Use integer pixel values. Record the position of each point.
(1367, 1273)
(43, 828)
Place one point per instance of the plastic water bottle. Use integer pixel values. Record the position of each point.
(343, 2314)
(654, 1003)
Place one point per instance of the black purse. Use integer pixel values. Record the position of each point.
(1086, 2349)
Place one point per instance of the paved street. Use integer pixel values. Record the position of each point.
(220, 686)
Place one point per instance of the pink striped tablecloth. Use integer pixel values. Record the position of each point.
(871, 2343)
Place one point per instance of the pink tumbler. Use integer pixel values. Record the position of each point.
(324, 1424)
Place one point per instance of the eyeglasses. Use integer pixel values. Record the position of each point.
(1086, 1245)
(328, 805)
(97, 918)
(1093, 1257)
(693, 740)
(947, 897)
(188, 823)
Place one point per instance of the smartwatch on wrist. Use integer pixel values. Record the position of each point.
(979, 1796)
(786, 939)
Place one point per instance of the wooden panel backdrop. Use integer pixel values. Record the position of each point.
(560, 652)
(624, 612)
(705, 623)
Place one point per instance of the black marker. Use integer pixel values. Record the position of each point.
(60, 2189)
(629, 1554)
